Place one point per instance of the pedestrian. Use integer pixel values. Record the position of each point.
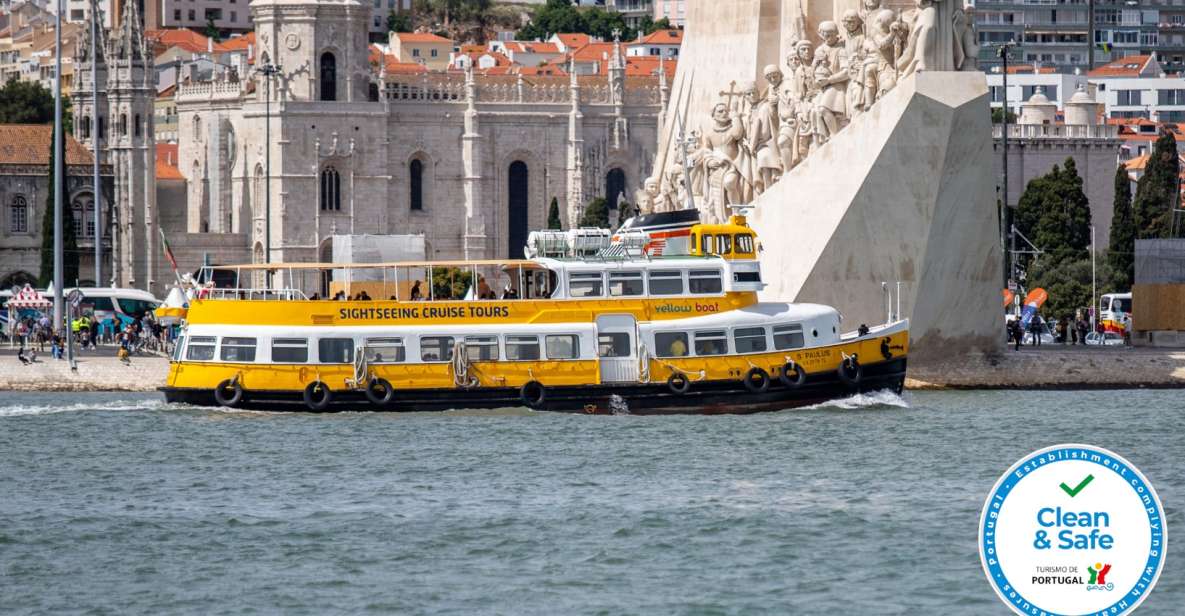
(56, 345)
(1035, 330)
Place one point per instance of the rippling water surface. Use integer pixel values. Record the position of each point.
(119, 503)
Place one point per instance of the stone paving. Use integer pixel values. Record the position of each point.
(1054, 366)
(97, 371)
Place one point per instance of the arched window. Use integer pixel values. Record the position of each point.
(328, 77)
(416, 182)
(331, 190)
(197, 128)
(86, 127)
(18, 216)
(102, 127)
(257, 196)
(79, 216)
(372, 92)
(123, 124)
(137, 128)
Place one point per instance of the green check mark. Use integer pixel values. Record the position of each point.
(1078, 488)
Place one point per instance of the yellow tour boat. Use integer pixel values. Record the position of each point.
(662, 317)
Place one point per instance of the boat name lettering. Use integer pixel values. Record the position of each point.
(665, 308)
(428, 312)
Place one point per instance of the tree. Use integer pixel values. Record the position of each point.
(602, 24)
(398, 22)
(625, 212)
(1068, 284)
(596, 214)
(648, 26)
(69, 240)
(561, 16)
(25, 102)
(1122, 245)
(212, 29)
(1054, 213)
(450, 282)
(553, 215)
(1157, 190)
(998, 116)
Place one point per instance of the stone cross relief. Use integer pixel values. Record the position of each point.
(757, 132)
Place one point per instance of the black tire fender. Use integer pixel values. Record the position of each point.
(532, 394)
(678, 383)
(228, 393)
(756, 380)
(792, 375)
(379, 391)
(850, 371)
(317, 396)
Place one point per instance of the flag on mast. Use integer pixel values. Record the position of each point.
(169, 253)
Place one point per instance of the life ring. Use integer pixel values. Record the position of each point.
(678, 383)
(379, 391)
(228, 393)
(850, 371)
(317, 396)
(792, 375)
(532, 394)
(756, 380)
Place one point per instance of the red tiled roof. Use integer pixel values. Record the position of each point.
(574, 40)
(594, 52)
(184, 38)
(239, 43)
(29, 144)
(421, 37)
(661, 37)
(168, 92)
(1027, 69)
(531, 47)
(1123, 67)
(166, 162)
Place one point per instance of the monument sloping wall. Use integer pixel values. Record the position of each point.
(903, 194)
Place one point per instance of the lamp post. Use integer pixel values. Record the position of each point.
(268, 70)
(1006, 211)
(98, 195)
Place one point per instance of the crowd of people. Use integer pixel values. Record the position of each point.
(34, 334)
(1067, 330)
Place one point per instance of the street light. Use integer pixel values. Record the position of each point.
(268, 71)
(1006, 213)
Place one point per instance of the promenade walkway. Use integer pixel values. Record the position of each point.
(97, 371)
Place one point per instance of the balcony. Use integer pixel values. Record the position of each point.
(1056, 131)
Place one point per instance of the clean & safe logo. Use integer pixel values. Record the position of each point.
(1072, 529)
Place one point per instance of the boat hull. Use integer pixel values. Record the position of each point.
(702, 398)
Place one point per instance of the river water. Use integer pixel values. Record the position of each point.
(119, 503)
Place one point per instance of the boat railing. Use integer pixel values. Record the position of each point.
(252, 294)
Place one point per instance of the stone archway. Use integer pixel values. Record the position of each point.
(614, 187)
(518, 204)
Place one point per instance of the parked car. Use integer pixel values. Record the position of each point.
(1104, 339)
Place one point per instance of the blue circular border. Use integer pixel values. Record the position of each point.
(1004, 486)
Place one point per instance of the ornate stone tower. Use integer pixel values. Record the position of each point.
(320, 44)
(87, 133)
(131, 89)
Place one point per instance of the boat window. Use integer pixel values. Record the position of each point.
(436, 348)
(613, 344)
(563, 346)
(744, 242)
(670, 344)
(713, 342)
(177, 348)
(522, 348)
(585, 284)
(705, 281)
(238, 349)
(746, 276)
(99, 303)
(385, 351)
(708, 244)
(626, 284)
(724, 243)
(481, 348)
(666, 282)
(201, 348)
(788, 337)
(749, 340)
(290, 350)
(336, 350)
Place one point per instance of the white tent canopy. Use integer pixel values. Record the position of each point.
(29, 297)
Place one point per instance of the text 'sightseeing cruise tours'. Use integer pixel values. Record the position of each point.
(1072, 529)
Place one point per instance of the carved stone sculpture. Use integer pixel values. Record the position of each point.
(761, 131)
(854, 54)
(722, 143)
(921, 49)
(966, 47)
(831, 107)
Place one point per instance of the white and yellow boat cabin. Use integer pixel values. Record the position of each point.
(586, 324)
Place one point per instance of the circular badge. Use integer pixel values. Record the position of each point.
(1072, 529)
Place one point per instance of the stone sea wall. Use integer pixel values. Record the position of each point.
(93, 374)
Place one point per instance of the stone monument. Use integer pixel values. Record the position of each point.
(859, 134)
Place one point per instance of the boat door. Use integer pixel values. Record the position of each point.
(617, 348)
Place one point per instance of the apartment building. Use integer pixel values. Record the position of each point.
(1057, 32)
(633, 11)
(671, 10)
